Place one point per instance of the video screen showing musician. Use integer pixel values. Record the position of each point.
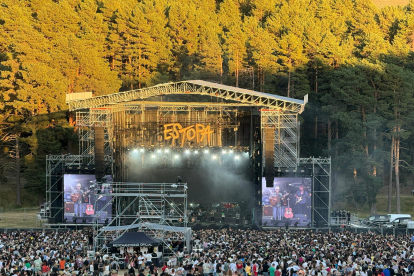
(85, 198)
(287, 202)
(77, 195)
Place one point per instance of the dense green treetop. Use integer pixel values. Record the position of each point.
(355, 61)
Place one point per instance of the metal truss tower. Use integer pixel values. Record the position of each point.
(86, 121)
(286, 129)
(321, 189)
(56, 167)
(159, 209)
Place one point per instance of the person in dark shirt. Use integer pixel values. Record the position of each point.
(265, 268)
(131, 270)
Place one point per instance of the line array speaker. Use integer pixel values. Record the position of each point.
(99, 153)
(269, 155)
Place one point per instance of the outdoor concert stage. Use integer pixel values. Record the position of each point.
(225, 143)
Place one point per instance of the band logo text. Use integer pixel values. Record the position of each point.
(176, 131)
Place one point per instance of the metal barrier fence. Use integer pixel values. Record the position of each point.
(376, 230)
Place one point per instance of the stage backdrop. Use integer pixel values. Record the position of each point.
(289, 202)
(84, 199)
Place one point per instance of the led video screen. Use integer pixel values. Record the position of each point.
(85, 200)
(288, 202)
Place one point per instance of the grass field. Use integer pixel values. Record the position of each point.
(384, 3)
(407, 206)
(19, 219)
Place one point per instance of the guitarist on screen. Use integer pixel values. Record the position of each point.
(301, 200)
(275, 200)
(77, 198)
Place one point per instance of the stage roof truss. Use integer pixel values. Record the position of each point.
(249, 97)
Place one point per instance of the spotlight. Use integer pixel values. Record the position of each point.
(159, 150)
(167, 150)
(142, 150)
(152, 155)
(196, 152)
(187, 151)
(237, 157)
(214, 156)
(224, 152)
(231, 151)
(135, 151)
(176, 156)
(191, 204)
(206, 151)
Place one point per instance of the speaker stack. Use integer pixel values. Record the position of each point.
(99, 153)
(269, 155)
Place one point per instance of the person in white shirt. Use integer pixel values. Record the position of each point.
(149, 259)
(140, 260)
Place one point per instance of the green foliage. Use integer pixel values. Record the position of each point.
(354, 60)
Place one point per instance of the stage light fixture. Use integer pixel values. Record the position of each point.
(214, 156)
(176, 156)
(224, 152)
(237, 157)
(152, 155)
(159, 150)
(196, 152)
(206, 151)
(231, 151)
(167, 150)
(142, 149)
(187, 151)
(134, 150)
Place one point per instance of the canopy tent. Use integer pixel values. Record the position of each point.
(154, 226)
(131, 239)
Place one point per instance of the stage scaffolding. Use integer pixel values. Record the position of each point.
(286, 129)
(160, 209)
(56, 167)
(321, 189)
(137, 119)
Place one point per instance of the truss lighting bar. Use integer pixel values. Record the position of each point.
(245, 96)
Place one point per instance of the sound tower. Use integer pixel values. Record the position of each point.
(99, 153)
(269, 155)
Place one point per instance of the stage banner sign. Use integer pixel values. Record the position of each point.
(197, 133)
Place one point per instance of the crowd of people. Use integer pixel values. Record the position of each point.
(225, 252)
